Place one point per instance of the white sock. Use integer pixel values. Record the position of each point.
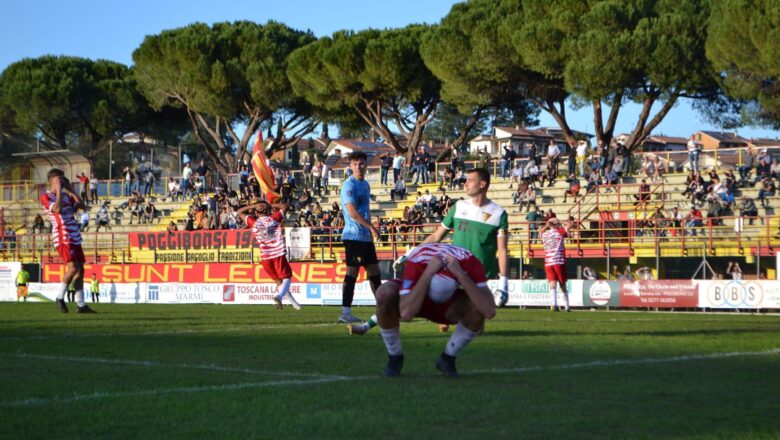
(555, 296)
(63, 289)
(346, 310)
(459, 339)
(285, 287)
(566, 299)
(392, 339)
(80, 297)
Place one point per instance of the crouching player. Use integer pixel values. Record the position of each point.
(268, 231)
(442, 283)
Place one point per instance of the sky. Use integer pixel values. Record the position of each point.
(111, 29)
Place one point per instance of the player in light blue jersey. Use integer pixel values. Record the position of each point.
(357, 235)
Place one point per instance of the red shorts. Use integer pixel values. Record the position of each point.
(71, 253)
(277, 268)
(556, 273)
(437, 312)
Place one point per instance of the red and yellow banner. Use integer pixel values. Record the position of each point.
(304, 272)
(189, 240)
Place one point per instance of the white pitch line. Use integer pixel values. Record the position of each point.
(151, 363)
(328, 379)
(169, 332)
(609, 363)
(35, 401)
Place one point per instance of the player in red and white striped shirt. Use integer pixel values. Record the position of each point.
(60, 204)
(268, 231)
(552, 234)
(443, 283)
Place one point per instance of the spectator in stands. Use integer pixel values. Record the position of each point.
(582, 156)
(173, 190)
(644, 273)
(676, 219)
(38, 225)
(224, 217)
(484, 159)
(748, 160)
(714, 209)
(768, 189)
(611, 155)
(137, 211)
(316, 174)
(148, 182)
(534, 219)
(594, 181)
(83, 220)
(571, 160)
(693, 220)
(324, 178)
(243, 180)
(103, 218)
(398, 166)
(507, 160)
(519, 195)
(625, 155)
(150, 213)
(648, 167)
(763, 167)
(550, 174)
(517, 174)
(747, 208)
(658, 222)
(203, 172)
(589, 274)
(460, 178)
(387, 163)
(172, 228)
(443, 204)
(734, 270)
(694, 148)
(549, 214)
(529, 199)
(574, 188)
(643, 196)
(93, 189)
(612, 179)
(553, 156)
(127, 172)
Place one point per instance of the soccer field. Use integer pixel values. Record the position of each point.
(209, 371)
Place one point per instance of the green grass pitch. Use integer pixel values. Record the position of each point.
(210, 371)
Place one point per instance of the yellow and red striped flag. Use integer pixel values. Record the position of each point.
(265, 177)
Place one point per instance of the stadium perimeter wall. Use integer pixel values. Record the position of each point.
(320, 284)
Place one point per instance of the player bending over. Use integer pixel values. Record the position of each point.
(269, 233)
(442, 283)
(555, 260)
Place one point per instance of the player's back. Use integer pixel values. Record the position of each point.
(269, 234)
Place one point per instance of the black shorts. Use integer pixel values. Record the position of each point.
(360, 253)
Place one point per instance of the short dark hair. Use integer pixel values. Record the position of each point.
(484, 175)
(55, 172)
(357, 155)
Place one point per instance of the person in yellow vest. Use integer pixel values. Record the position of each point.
(22, 278)
(94, 289)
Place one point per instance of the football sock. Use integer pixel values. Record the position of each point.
(554, 292)
(566, 299)
(392, 339)
(348, 291)
(63, 289)
(80, 298)
(459, 339)
(372, 322)
(284, 289)
(375, 281)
